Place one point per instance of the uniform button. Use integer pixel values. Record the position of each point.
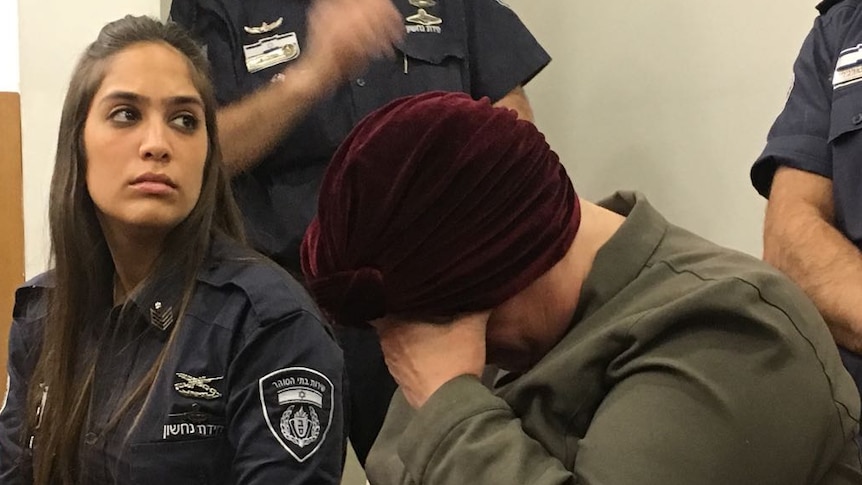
(857, 118)
(360, 82)
(91, 438)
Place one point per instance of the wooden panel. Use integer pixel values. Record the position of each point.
(11, 216)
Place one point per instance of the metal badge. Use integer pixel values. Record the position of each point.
(265, 27)
(161, 318)
(423, 3)
(197, 387)
(424, 18)
(271, 51)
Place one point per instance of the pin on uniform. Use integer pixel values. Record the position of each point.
(422, 17)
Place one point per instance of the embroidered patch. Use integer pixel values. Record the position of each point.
(192, 424)
(848, 68)
(297, 405)
(197, 387)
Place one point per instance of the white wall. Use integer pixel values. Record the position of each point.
(52, 35)
(670, 97)
(9, 45)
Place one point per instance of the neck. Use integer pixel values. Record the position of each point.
(134, 254)
(549, 303)
(597, 226)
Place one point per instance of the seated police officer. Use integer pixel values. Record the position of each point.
(159, 349)
(636, 351)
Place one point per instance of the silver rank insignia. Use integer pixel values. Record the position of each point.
(265, 27)
(161, 317)
(297, 406)
(424, 18)
(197, 387)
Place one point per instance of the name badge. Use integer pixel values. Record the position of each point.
(271, 51)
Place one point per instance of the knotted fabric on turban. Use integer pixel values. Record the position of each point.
(436, 205)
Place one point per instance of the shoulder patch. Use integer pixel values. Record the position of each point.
(297, 405)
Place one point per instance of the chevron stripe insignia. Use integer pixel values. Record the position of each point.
(161, 318)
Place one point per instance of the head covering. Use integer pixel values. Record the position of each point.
(436, 205)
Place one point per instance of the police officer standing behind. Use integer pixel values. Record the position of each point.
(293, 78)
(811, 172)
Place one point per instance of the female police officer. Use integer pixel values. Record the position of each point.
(159, 349)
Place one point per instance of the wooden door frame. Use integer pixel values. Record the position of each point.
(11, 216)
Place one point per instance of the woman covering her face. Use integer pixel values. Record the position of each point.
(159, 349)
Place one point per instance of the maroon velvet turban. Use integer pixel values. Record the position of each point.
(436, 205)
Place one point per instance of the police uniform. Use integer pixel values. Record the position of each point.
(252, 393)
(474, 46)
(685, 363)
(819, 129)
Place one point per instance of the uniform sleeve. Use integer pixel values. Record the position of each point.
(284, 411)
(463, 434)
(799, 137)
(14, 462)
(503, 53)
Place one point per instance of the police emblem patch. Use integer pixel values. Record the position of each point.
(297, 405)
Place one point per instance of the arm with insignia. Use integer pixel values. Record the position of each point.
(344, 35)
(284, 410)
(800, 233)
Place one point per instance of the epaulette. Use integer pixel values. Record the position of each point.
(29, 298)
(825, 5)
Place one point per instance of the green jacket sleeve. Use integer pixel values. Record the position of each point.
(712, 401)
(464, 434)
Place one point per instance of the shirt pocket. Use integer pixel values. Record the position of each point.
(427, 63)
(198, 461)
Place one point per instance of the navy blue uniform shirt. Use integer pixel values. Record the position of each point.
(820, 129)
(251, 393)
(480, 47)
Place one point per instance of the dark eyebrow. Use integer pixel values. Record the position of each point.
(136, 98)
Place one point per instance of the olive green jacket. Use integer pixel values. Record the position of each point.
(686, 363)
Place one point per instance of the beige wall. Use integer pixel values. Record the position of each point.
(670, 97)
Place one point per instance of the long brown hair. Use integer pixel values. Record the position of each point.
(82, 266)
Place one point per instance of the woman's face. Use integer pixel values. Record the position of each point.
(145, 141)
